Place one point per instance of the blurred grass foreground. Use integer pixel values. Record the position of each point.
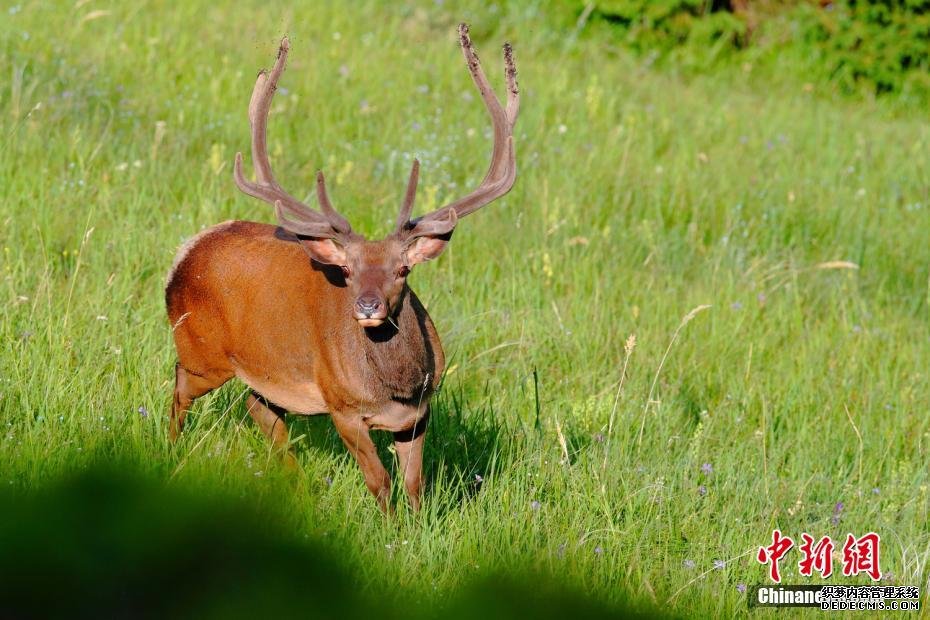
(110, 543)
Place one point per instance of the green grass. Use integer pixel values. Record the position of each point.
(640, 196)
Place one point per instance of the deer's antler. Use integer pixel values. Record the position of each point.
(503, 168)
(292, 214)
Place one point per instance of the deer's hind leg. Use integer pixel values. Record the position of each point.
(270, 418)
(189, 385)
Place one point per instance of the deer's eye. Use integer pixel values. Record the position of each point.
(345, 271)
(403, 271)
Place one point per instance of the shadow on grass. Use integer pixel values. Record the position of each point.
(108, 543)
(462, 447)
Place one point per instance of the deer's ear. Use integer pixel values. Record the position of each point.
(325, 251)
(427, 247)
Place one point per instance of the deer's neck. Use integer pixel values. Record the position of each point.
(405, 359)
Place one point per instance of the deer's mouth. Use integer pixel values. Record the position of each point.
(369, 321)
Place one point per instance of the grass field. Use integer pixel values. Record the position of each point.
(702, 313)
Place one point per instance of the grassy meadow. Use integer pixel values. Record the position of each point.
(701, 314)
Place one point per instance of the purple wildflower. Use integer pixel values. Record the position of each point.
(598, 550)
(534, 505)
(719, 564)
(689, 564)
(702, 490)
(741, 588)
(707, 468)
(736, 306)
(143, 411)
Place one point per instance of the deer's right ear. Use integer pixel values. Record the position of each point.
(325, 251)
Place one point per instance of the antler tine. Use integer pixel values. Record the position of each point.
(259, 105)
(513, 89)
(265, 186)
(403, 218)
(319, 229)
(503, 169)
(339, 223)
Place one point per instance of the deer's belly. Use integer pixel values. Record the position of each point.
(397, 417)
(302, 397)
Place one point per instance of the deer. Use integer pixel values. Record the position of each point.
(313, 317)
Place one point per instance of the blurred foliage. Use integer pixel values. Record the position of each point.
(665, 23)
(111, 543)
(882, 46)
(872, 46)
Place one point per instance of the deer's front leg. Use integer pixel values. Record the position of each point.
(354, 432)
(409, 447)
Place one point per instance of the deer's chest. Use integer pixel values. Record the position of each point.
(403, 373)
(387, 364)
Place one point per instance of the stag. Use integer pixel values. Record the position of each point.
(313, 317)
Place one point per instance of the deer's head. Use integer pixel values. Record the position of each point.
(376, 271)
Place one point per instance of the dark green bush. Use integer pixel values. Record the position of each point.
(874, 46)
(880, 46)
(664, 24)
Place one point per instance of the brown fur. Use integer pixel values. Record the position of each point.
(312, 358)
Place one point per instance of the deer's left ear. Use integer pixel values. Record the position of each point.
(427, 247)
(429, 238)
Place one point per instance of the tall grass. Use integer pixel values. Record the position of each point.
(797, 399)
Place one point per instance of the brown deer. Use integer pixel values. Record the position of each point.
(315, 318)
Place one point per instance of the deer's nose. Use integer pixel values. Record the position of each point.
(368, 305)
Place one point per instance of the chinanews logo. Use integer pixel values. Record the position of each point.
(860, 555)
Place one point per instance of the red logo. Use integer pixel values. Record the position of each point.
(774, 552)
(860, 555)
(817, 557)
